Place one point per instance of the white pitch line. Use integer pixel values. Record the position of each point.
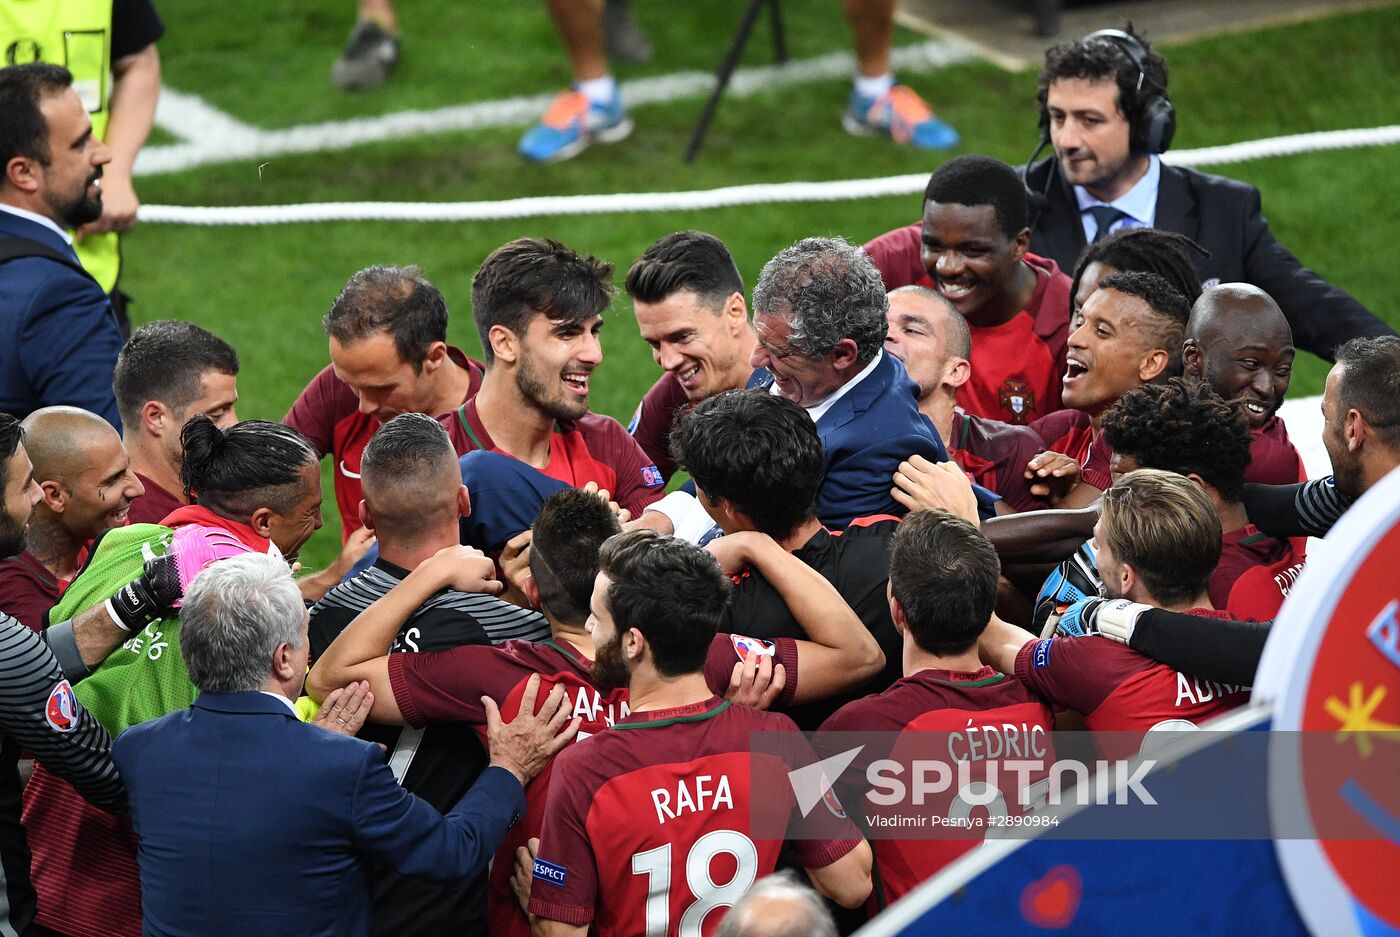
(193, 120)
(699, 199)
(211, 136)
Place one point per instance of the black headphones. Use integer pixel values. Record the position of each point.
(1154, 123)
(1151, 122)
(1152, 119)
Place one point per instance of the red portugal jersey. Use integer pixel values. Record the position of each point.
(328, 414)
(1119, 690)
(1259, 592)
(593, 448)
(1072, 432)
(1240, 551)
(447, 686)
(652, 421)
(647, 829)
(1273, 459)
(944, 701)
(995, 455)
(1016, 366)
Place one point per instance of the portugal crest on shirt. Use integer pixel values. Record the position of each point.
(1018, 400)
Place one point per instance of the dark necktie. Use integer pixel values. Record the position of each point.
(1106, 216)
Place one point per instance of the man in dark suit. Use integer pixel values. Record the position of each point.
(1104, 108)
(252, 822)
(59, 338)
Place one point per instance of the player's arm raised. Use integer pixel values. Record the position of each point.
(847, 880)
(1001, 641)
(361, 651)
(840, 652)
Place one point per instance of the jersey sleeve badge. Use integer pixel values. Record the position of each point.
(61, 711)
(651, 476)
(752, 647)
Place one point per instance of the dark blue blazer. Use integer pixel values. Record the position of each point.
(58, 335)
(252, 822)
(866, 434)
(1225, 217)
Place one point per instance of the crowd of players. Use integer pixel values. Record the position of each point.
(935, 482)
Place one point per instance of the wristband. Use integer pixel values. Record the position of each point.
(133, 607)
(1117, 619)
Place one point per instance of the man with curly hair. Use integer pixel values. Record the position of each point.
(1191, 430)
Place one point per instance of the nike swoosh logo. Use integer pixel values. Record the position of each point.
(346, 472)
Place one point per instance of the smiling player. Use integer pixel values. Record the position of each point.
(972, 248)
(1238, 341)
(539, 310)
(85, 475)
(1129, 334)
(689, 301)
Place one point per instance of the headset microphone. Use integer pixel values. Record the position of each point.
(1039, 201)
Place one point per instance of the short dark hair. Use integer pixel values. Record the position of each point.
(686, 260)
(166, 361)
(11, 436)
(1170, 310)
(980, 180)
(252, 464)
(945, 575)
(1184, 428)
(756, 450)
(1146, 250)
(398, 301)
(23, 129)
(568, 533)
(402, 472)
(1370, 383)
(828, 290)
(671, 591)
(537, 275)
(1097, 58)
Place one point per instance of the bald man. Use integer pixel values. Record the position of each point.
(932, 339)
(1239, 342)
(87, 486)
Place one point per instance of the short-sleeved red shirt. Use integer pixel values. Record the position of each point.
(995, 455)
(1072, 432)
(1119, 690)
(1017, 365)
(938, 701)
(593, 448)
(447, 686)
(648, 825)
(328, 414)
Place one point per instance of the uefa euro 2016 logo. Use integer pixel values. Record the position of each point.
(61, 712)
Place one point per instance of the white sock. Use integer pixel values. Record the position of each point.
(598, 90)
(868, 87)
